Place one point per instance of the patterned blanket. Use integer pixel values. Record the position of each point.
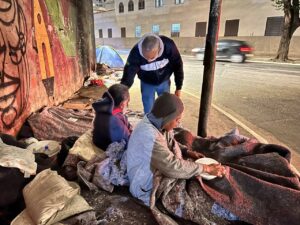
(260, 186)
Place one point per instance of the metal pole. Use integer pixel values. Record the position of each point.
(209, 65)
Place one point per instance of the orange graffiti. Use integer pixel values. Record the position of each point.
(43, 43)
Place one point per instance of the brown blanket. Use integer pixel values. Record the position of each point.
(259, 186)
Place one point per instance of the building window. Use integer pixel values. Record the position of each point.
(109, 32)
(274, 26)
(100, 33)
(141, 4)
(200, 29)
(138, 31)
(121, 7)
(123, 32)
(179, 2)
(155, 29)
(130, 6)
(231, 27)
(158, 3)
(175, 30)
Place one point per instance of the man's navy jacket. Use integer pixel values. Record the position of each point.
(168, 61)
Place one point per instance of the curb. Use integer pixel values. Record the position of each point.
(271, 62)
(258, 60)
(237, 121)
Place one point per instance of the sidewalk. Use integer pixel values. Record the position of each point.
(270, 60)
(218, 123)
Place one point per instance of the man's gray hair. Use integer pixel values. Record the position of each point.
(149, 43)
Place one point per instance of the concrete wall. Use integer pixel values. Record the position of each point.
(263, 46)
(45, 53)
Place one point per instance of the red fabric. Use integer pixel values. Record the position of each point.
(97, 83)
(116, 110)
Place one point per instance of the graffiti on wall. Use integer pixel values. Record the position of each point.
(14, 70)
(44, 48)
(39, 60)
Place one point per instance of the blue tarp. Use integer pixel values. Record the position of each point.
(109, 56)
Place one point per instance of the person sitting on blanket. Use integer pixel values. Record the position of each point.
(152, 147)
(110, 123)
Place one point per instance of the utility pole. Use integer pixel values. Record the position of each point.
(209, 65)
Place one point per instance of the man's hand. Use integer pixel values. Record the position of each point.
(178, 93)
(214, 169)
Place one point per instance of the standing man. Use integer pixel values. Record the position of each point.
(154, 58)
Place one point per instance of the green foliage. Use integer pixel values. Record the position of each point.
(279, 4)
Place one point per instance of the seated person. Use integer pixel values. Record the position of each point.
(110, 123)
(152, 147)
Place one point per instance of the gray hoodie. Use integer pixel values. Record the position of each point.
(151, 149)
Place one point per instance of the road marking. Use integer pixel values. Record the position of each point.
(237, 121)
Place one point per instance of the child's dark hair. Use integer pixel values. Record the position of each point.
(119, 93)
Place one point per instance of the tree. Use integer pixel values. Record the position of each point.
(290, 24)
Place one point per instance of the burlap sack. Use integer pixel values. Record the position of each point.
(23, 219)
(47, 147)
(76, 206)
(14, 157)
(47, 194)
(85, 149)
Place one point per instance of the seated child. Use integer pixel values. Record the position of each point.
(110, 123)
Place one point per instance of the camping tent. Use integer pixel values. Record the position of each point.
(109, 56)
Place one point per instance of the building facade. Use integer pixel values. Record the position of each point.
(187, 21)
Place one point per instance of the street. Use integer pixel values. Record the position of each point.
(264, 96)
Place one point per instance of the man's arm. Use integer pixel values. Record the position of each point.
(169, 165)
(177, 63)
(131, 68)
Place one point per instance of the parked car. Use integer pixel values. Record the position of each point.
(229, 50)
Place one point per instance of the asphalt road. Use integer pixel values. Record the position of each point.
(265, 97)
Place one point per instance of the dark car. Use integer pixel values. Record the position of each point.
(229, 50)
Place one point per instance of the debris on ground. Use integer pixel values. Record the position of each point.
(102, 69)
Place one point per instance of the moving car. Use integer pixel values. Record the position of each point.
(230, 50)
